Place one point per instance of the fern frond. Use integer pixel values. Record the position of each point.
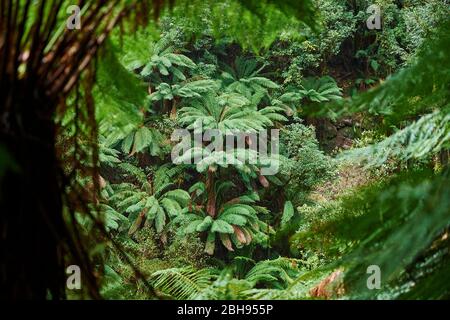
(182, 283)
(419, 140)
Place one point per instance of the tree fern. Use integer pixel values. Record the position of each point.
(236, 224)
(227, 112)
(244, 78)
(323, 89)
(147, 57)
(148, 203)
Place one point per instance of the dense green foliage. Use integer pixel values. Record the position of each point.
(220, 228)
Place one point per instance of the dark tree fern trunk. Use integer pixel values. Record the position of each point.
(39, 69)
(30, 202)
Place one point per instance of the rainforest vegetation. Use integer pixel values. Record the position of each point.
(88, 178)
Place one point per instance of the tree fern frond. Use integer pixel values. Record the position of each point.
(427, 136)
(182, 283)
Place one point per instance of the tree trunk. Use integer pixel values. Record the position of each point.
(173, 112)
(31, 204)
(211, 204)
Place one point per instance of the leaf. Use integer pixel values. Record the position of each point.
(136, 207)
(210, 243)
(153, 209)
(226, 241)
(171, 207)
(221, 227)
(137, 223)
(240, 235)
(179, 195)
(192, 226)
(234, 219)
(265, 82)
(177, 73)
(205, 224)
(374, 64)
(166, 62)
(288, 213)
(151, 201)
(148, 69)
(180, 60)
(162, 68)
(142, 139)
(160, 220)
(248, 235)
(127, 142)
(240, 209)
(182, 283)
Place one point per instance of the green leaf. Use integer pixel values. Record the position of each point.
(205, 224)
(192, 226)
(127, 143)
(162, 68)
(151, 201)
(171, 206)
(210, 243)
(236, 209)
(177, 73)
(180, 60)
(142, 139)
(160, 220)
(288, 213)
(179, 195)
(374, 64)
(136, 224)
(234, 219)
(136, 207)
(166, 62)
(153, 210)
(221, 227)
(265, 82)
(148, 69)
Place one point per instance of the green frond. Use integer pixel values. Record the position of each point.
(221, 226)
(419, 140)
(182, 283)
